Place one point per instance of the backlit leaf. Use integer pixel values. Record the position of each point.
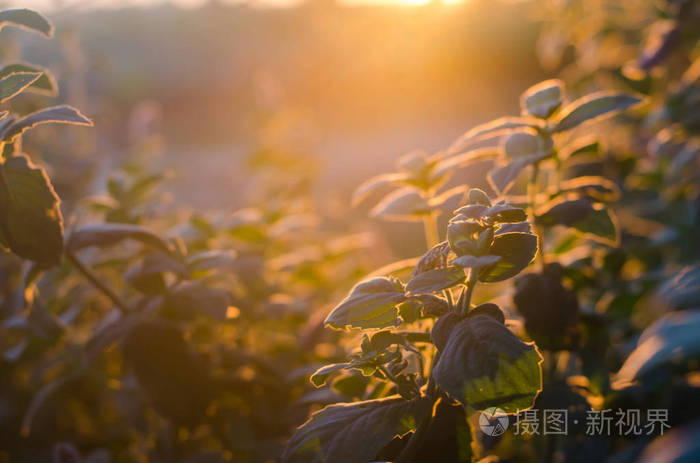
(370, 304)
(31, 224)
(501, 178)
(56, 114)
(354, 432)
(374, 183)
(27, 19)
(461, 160)
(109, 234)
(516, 251)
(45, 84)
(492, 129)
(598, 188)
(671, 339)
(435, 280)
(475, 262)
(405, 204)
(592, 107)
(485, 365)
(543, 99)
(582, 215)
(13, 84)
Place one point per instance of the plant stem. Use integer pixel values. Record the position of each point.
(92, 278)
(471, 283)
(432, 237)
(532, 207)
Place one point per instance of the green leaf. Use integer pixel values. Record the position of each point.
(374, 183)
(320, 376)
(673, 339)
(370, 304)
(475, 262)
(56, 114)
(31, 224)
(682, 291)
(504, 212)
(493, 129)
(45, 84)
(147, 275)
(109, 234)
(485, 365)
(501, 178)
(354, 432)
(583, 146)
(582, 215)
(213, 259)
(26, 19)
(13, 84)
(594, 187)
(458, 161)
(543, 99)
(516, 250)
(435, 280)
(592, 107)
(680, 445)
(527, 142)
(405, 204)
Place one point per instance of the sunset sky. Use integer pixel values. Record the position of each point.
(47, 5)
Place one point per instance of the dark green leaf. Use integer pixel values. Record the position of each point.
(56, 114)
(485, 365)
(587, 145)
(543, 99)
(490, 310)
(671, 339)
(472, 211)
(27, 19)
(682, 291)
(370, 304)
(31, 224)
(13, 84)
(582, 215)
(680, 445)
(435, 280)
(109, 234)
(45, 84)
(147, 276)
(592, 107)
(516, 251)
(354, 432)
(320, 376)
(504, 212)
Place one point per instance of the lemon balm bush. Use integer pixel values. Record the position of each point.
(478, 361)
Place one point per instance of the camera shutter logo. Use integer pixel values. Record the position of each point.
(493, 421)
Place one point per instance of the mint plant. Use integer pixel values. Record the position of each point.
(31, 224)
(478, 362)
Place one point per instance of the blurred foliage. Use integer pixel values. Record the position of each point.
(135, 328)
